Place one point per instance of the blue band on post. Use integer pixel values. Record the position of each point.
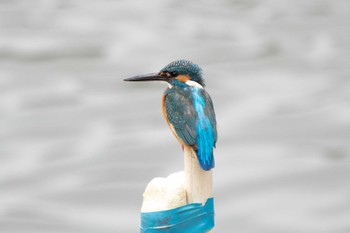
(190, 218)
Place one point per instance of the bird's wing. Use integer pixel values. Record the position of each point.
(181, 114)
(210, 113)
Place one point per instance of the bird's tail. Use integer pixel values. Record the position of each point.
(207, 162)
(205, 144)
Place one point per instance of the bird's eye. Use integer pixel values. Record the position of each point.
(173, 74)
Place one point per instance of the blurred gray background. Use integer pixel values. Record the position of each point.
(78, 145)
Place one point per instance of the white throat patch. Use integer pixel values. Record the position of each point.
(193, 84)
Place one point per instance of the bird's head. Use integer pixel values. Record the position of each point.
(181, 72)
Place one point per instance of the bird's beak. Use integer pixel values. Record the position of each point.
(147, 77)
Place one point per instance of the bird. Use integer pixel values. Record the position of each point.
(187, 108)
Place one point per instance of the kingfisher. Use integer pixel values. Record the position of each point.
(187, 108)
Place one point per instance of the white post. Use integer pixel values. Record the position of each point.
(198, 183)
(194, 185)
(164, 193)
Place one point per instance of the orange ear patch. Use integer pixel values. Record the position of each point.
(183, 78)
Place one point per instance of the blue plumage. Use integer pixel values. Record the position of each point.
(205, 136)
(187, 68)
(188, 108)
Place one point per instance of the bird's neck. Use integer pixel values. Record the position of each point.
(188, 83)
